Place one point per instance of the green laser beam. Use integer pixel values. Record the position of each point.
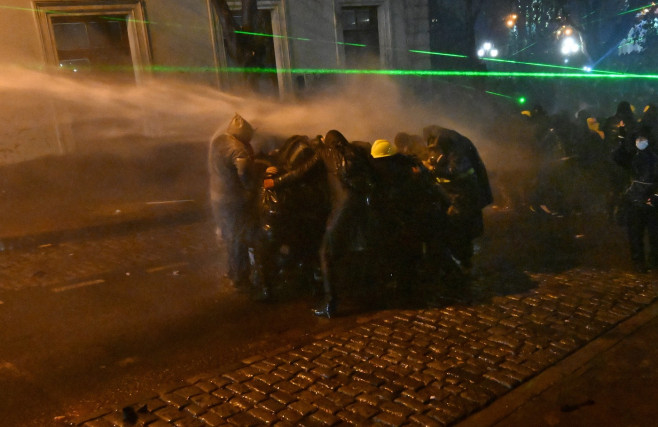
(636, 9)
(499, 94)
(427, 52)
(536, 64)
(275, 36)
(415, 73)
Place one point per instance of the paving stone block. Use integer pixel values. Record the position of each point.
(330, 383)
(255, 397)
(524, 371)
(396, 409)
(286, 358)
(257, 384)
(425, 421)
(289, 415)
(494, 387)
(169, 414)
(223, 394)
(265, 366)
(271, 405)
(307, 396)
(187, 392)
(305, 365)
(205, 386)
(326, 405)
(283, 397)
(324, 372)
(409, 383)
(158, 423)
(363, 409)
(175, 400)
(238, 388)
(324, 363)
(219, 381)
(250, 371)
(264, 416)
(413, 404)
(302, 407)
(441, 416)
(195, 409)
(241, 402)
(269, 379)
(478, 395)
(501, 378)
(287, 370)
(212, 419)
(154, 404)
(236, 376)
(301, 382)
(189, 422)
(324, 418)
(287, 387)
(245, 419)
(101, 422)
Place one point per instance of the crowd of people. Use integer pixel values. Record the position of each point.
(347, 214)
(367, 214)
(589, 165)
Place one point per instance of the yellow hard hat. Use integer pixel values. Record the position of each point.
(383, 148)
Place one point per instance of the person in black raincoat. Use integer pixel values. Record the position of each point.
(350, 181)
(292, 218)
(460, 172)
(410, 224)
(636, 153)
(233, 187)
(623, 120)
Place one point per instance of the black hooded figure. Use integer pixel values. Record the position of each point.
(636, 153)
(232, 195)
(460, 172)
(349, 179)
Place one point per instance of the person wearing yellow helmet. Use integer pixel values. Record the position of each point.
(383, 148)
(410, 219)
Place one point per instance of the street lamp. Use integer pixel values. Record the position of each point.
(510, 20)
(488, 50)
(569, 46)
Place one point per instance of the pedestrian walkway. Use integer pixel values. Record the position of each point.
(428, 366)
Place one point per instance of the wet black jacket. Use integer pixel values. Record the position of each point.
(643, 168)
(459, 169)
(346, 166)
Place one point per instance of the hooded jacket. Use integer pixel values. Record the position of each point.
(456, 158)
(231, 164)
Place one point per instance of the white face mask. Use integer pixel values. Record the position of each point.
(641, 143)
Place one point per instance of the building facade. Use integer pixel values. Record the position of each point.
(135, 41)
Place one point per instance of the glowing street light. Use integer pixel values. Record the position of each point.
(569, 46)
(510, 20)
(487, 50)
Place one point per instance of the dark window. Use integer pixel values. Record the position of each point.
(92, 43)
(254, 51)
(361, 36)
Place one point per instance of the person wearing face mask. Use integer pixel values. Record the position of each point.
(636, 153)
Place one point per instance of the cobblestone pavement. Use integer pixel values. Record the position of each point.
(426, 366)
(71, 261)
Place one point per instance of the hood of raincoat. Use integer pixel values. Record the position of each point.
(240, 128)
